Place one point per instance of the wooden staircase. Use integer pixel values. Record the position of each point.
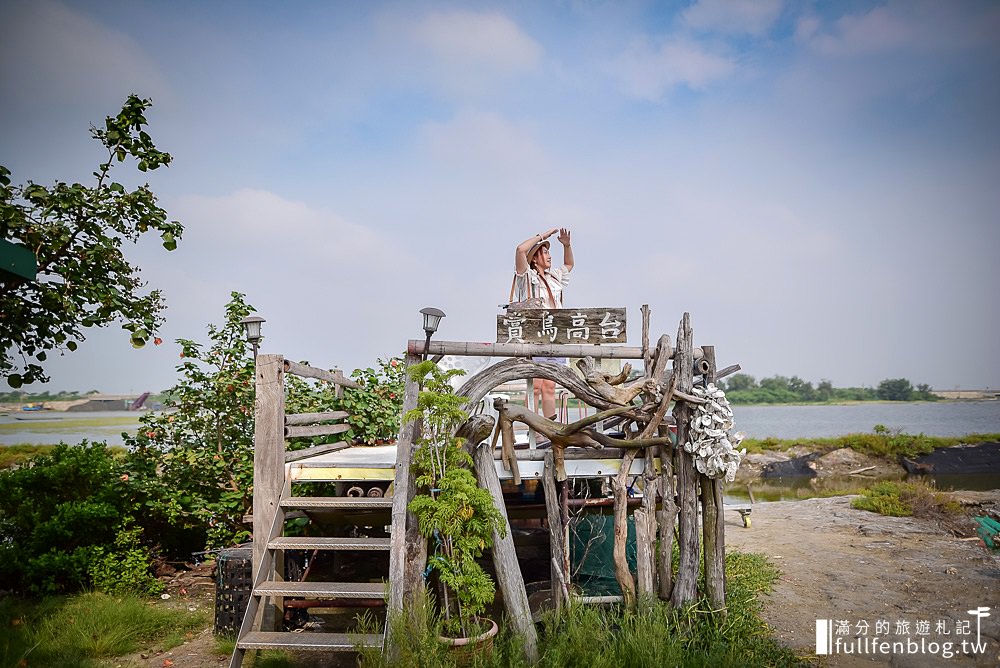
(272, 591)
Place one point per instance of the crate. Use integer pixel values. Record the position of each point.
(233, 586)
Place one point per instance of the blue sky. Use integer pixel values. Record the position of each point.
(816, 183)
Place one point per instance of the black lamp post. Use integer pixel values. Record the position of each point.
(251, 327)
(432, 318)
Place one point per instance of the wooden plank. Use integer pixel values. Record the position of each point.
(408, 551)
(313, 418)
(565, 325)
(318, 642)
(268, 464)
(324, 590)
(416, 347)
(686, 587)
(505, 561)
(306, 371)
(328, 543)
(316, 430)
(297, 455)
(336, 503)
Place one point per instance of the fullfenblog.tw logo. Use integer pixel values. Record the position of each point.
(944, 638)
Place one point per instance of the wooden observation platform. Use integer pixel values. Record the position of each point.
(631, 449)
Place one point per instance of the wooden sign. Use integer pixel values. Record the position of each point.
(567, 325)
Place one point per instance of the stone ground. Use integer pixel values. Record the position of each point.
(851, 565)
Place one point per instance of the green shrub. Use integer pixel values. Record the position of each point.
(125, 569)
(54, 512)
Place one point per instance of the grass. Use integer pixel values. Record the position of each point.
(15, 455)
(906, 499)
(612, 637)
(881, 443)
(62, 424)
(87, 630)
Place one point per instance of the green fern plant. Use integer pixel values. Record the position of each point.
(452, 510)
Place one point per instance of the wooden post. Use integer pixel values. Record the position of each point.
(686, 587)
(505, 559)
(559, 577)
(268, 468)
(408, 552)
(713, 525)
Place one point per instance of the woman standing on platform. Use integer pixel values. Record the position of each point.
(534, 276)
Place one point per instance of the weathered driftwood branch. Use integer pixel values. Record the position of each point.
(306, 371)
(643, 553)
(728, 371)
(606, 385)
(476, 429)
(559, 584)
(620, 490)
(476, 387)
(562, 435)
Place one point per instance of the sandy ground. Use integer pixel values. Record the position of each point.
(856, 567)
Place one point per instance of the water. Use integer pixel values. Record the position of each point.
(941, 418)
(49, 427)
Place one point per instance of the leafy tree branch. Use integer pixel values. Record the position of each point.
(77, 234)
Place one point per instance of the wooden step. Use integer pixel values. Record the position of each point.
(327, 543)
(330, 642)
(336, 503)
(322, 590)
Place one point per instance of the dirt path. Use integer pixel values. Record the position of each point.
(856, 567)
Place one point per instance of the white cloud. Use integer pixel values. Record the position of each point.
(264, 220)
(753, 17)
(463, 52)
(923, 27)
(490, 40)
(651, 72)
(484, 141)
(52, 53)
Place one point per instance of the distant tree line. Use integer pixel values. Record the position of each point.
(35, 397)
(744, 389)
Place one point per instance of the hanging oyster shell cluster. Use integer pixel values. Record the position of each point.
(714, 450)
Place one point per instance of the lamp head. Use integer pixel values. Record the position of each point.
(432, 318)
(251, 327)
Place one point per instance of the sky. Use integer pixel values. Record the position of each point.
(816, 183)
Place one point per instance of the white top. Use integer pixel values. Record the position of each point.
(529, 284)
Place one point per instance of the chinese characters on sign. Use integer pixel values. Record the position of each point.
(584, 325)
